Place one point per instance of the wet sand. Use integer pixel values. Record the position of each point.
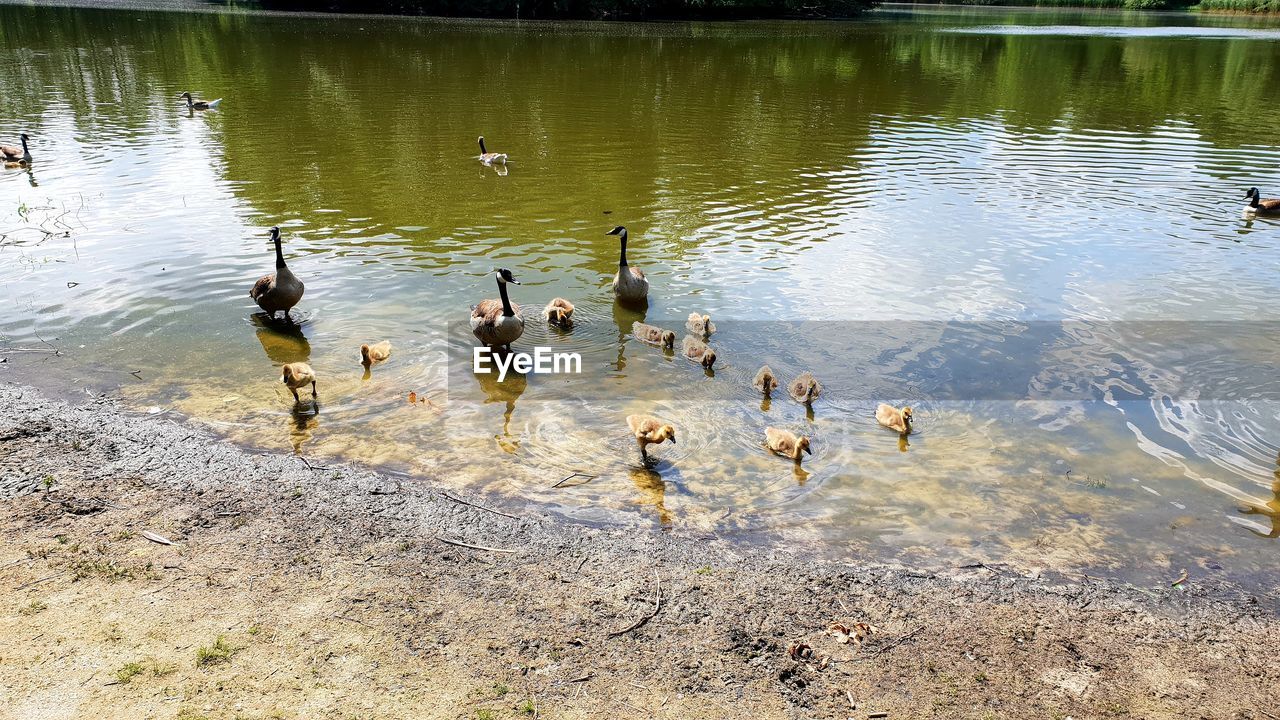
(296, 590)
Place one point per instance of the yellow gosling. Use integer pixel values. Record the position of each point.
(893, 418)
(765, 381)
(376, 353)
(805, 388)
(649, 430)
(698, 351)
(653, 335)
(298, 375)
(786, 443)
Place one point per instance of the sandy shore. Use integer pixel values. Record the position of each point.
(296, 591)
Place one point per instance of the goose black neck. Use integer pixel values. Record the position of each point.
(1253, 198)
(279, 254)
(506, 301)
(25, 151)
(622, 257)
(482, 150)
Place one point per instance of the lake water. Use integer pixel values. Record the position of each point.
(1026, 224)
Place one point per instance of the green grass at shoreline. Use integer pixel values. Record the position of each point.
(588, 9)
(1224, 6)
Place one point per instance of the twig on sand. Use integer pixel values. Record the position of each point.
(311, 467)
(37, 582)
(447, 541)
(582, 678)
(892, 645)
(567, 478)
(7, 351)
(657, 605)
(479, 507)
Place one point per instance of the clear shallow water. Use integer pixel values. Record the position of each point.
(908, 206)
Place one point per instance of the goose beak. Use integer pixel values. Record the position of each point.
(808, 450)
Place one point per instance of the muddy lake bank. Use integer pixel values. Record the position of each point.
(298, 590)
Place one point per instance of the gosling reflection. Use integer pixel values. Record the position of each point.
(624, 318)
(304, 420)
(652, 491)
(508, 392)
(1269, 508)
(283, 343)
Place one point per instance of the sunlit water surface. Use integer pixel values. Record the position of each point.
(908, 206)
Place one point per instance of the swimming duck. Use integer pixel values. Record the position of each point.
(1257, 206)
(893, 418)
(376, 353)
(653, 335)
(629, 284)
(765, 381)
(559, 312)
(298, 375)
(280, 290)
(17, 156)
(700, 325)
(698, 351)
(786, 443)
(498, 322)
(489, 158)
(649, 430)
(194, 104)
(804, 389)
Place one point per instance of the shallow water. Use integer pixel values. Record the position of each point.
(1032, 235)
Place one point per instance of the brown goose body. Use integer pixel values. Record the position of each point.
(280, 290)
(653, 335)
(16, 155)
(786, 443)
(498, 322)
(1261, 206)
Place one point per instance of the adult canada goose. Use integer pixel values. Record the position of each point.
(765, 381)
(498, 322)
(649, 430)
(17, 156)
(194, 104)
(280, 290)
(376, 353)
(489, 158)
(700, 325)
(629, 284)
(653, 335)
(698, 351)
(805, 388)
(1256, 206)
(559, 312)
(894, 419)
(786, 443)
(298, 375)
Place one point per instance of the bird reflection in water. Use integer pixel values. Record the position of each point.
(282, 342)
(1268, 508)
(508, 391)
(303, 422)
(652, 491)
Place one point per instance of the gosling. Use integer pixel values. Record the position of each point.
(804, 389)
(700, 325)
(786, 443)
(649, 430)
(376, 353)
(766, 382)
(894, 419)
(653, 335)
(559, 312)
(298, 375)
(698, 351)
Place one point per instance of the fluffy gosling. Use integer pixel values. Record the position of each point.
(375, 353)
(700, 325)
(698, 351)
(786, 443)
(804, 389)
(298, 375)
(653, 335)
(765, 381)
(559, 312)
(894, 419)
(649, 430)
